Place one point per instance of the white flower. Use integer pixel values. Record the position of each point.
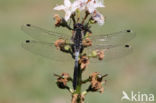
(93, 4)
(81, 4)
(68, 7)
(90, 5)
(98, 17)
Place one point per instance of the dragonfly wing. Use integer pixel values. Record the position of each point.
(41, 34)
(47, 50)
(110, 53)
(112, 40)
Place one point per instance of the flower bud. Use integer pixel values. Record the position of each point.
(62, 80)
(58, 19)
(96, 82)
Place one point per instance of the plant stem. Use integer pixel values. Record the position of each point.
(78, 87)
(85, 81)
(85, 17)
(73, 18)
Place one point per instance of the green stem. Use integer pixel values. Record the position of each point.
(85, 81)
(78, 87)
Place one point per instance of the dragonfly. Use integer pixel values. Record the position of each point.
(44, 44)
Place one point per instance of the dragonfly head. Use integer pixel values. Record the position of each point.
(78, 26)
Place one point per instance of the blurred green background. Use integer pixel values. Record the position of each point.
(27, 78)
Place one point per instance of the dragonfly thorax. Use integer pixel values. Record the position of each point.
(77, 36)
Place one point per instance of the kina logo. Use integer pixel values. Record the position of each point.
(137, 97)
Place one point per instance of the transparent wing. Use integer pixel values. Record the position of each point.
(110, 53)
(112, 40)
(47, 50)
(41, 34)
